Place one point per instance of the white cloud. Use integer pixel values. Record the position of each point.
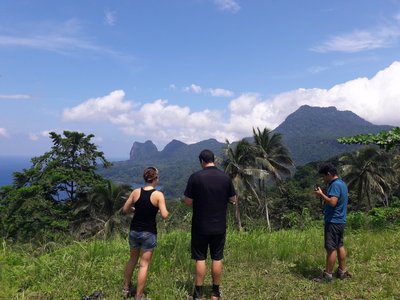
(220, 92)
(374, 99)
(15, 97)
(62, 38)
(228, 5)
(110, 17)
(163, 122)
(111, 107)
(35, 136)
(360, 41)
(215, 92)
(3, 132)
(193, 88)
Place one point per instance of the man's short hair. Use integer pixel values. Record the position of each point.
(207, 156)
(327, 168)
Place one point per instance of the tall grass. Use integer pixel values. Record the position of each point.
(257, 265)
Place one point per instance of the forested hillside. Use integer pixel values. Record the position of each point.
(310, 134)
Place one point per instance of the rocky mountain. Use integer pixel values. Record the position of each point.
(310, 133)
(140, 151)
(174, 150)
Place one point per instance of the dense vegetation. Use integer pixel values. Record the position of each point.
(63, 194)
(58, 210)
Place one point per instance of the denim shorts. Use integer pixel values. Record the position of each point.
(143, 240)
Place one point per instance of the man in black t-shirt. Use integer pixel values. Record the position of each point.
(209, 191)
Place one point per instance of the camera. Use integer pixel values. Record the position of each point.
(316, 187)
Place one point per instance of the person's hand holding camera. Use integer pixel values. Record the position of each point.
(317, 190)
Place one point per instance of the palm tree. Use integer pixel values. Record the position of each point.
(103, 207)
(367, 171)
(272, 156)
(238, 163)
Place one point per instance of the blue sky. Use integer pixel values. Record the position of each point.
(130, 70)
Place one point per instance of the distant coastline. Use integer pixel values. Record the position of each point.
(10, 164)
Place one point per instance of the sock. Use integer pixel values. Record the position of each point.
(215, 290)
(198, 291)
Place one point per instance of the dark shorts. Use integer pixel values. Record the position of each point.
(144, 240)
(201, 242)
(333, 236)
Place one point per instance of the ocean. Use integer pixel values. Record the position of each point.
(11, 164)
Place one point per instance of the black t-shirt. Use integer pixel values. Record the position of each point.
(210, 190)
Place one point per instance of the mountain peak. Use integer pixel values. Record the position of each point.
(310, 132)
(146, 149)
(172, 147)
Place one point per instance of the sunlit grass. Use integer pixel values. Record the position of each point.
(257, 265)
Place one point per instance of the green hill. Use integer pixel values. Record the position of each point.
(311, 133)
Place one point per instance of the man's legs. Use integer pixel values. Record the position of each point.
(217, 244)
(342, 258)
(330, 261)
(201, 270)
(216, 278)
(216, 271)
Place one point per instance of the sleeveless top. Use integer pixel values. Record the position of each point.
(144, 218)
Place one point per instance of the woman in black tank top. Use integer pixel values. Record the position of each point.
(144, 202)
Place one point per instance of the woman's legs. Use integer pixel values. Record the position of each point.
(144, 263)
(130, 265)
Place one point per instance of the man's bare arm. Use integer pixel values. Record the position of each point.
(188, 201)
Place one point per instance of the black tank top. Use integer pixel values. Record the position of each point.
(145, 213)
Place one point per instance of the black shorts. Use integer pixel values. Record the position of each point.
(201, 242)
(333, 236)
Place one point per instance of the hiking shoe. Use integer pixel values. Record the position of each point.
(342, 275)
(95, 295)
(141, 298)
(126, 293)
(216, 296)
(324, 277)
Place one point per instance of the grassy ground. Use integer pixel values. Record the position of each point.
(257, 265)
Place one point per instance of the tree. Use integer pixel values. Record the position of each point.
(367, 172)
(389, 140)
(102, 211)
(67, 171)
(385, 139)
(271, 154)
(239, 163)
(25, 214)
(273, 157)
